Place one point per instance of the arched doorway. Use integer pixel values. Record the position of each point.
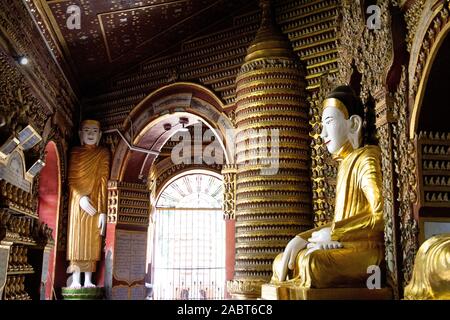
(429, 124)
(148, 137)
(188, 250)
(433, 112)
(49, 203)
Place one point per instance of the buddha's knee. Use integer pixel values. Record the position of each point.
(275, 266)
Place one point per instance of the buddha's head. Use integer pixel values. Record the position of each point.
(90, 132)
(342, 119)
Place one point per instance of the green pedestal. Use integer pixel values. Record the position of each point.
(82, 293)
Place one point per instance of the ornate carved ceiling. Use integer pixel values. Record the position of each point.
(117, 34)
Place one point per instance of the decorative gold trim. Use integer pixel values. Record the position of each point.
(315, 44)
(312, 34)
(281, 91)
(262, 212)
(264, 72)
(90, 122)
(276, 102)
(253, 83)
(273, 224)
(243, 289)
(333, 102)
(323, 9)
(320, 74)
(319, 54)
(321, 64)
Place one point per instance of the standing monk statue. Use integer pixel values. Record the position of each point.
(340, 253)
(88, 179)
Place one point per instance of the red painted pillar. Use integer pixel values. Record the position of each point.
(48, 210)
(48, 204)
(229, 251)
(105, 274)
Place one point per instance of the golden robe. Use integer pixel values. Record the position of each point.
(431, 274)
(88, 176)
(358, 224)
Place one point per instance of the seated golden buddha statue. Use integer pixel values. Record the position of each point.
(431, 274)
(337, 255)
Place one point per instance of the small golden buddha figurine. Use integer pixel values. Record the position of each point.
(13, 224)
(339, 254)
(23, 293)
(22, 224)
(25, 259)
(27, 229)
(7, 294)
(12, 288)
(17, 292)
(11, 260)
(20, 258)
(14, 258)
(431, 273)
(21, 287)
(88, 178)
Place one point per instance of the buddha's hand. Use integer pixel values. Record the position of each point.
(289, 255)
(102, 223)
(323, 235)
(86, 205)
(321, 240)
(324, 245)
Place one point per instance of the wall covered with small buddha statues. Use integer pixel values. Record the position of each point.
(37, 107)
(338, 43)
(394, 54)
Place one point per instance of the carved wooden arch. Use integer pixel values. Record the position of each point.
(433, 27)
(178, 98)
(53, 133)
(62, 164)
(56, 136)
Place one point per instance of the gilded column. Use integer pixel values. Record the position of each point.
(229, 194)
(405, 155)
(384, 124)
(272, 205)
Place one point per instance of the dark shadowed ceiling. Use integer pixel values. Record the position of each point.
(435, 109)
(117, 34)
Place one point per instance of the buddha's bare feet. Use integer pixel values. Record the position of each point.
(74, 280)
(89, 285)
(87, 280)
(75, 285)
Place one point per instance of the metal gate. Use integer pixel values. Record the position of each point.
(189, 240)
